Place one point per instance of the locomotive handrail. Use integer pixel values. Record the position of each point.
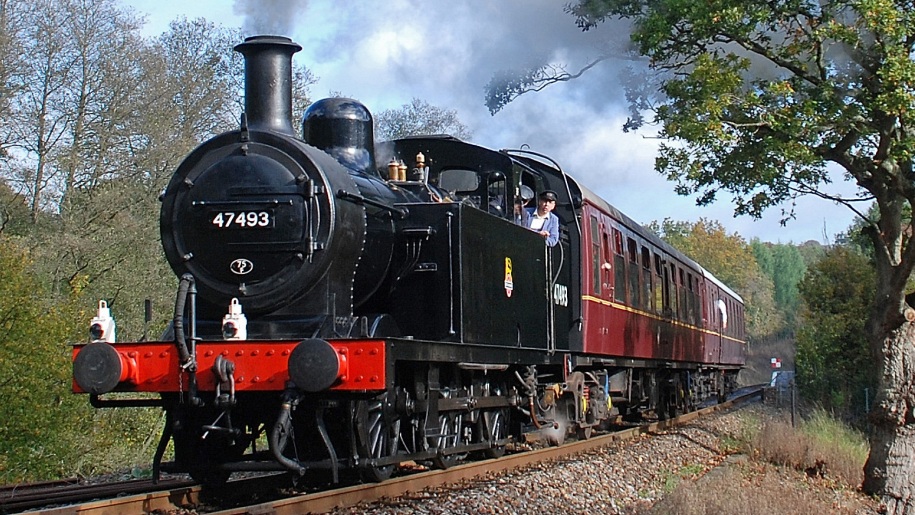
(550, 319)
(401, 212)
(271, 202)
(451, 330)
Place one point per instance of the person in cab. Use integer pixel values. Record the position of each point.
(541, 218)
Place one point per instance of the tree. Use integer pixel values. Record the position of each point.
(833, 360)
(762, 99)
(98, 97)
(730, 259)
(12, 25)
(38, 124)
(785, 266)
(68, 86)
(302, 80)
(39, 410)
(418, 117)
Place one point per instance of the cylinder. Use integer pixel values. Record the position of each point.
(268, 82)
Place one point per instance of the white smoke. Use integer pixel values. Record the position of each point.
(275, 17)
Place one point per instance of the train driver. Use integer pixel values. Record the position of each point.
(542, 220)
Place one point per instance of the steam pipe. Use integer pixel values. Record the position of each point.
(187, 291)
(283, 424)
(268, 82)
(184, 356)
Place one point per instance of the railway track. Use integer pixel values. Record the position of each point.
(19, 498)
(172, 497)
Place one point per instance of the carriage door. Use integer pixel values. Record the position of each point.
(720, 311)
(597, 284)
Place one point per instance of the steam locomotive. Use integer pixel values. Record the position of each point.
(349, 311)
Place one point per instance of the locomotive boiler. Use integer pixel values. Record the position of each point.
(358, 305)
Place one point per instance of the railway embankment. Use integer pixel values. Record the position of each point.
(710, 465)
(746, 459)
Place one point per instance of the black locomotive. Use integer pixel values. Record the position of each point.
(364, 305)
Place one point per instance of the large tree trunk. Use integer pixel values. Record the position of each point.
(890, 468)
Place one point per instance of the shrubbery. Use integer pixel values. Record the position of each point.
(48, 432)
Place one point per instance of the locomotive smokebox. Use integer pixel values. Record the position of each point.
(268, 82)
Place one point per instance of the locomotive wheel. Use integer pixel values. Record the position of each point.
(376, 436)
(494, 427)
(448, 436)
(210, 477)
(722, 391)
(554, 431)
(584, 433)
(208, 456)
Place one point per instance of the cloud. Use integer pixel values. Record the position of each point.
(386, 53)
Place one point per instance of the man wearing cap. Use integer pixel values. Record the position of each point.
(541, 219)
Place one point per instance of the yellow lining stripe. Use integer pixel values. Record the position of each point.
(630, 309)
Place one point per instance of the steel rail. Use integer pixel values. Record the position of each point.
(68, 491)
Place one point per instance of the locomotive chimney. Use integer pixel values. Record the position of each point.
(268, 82)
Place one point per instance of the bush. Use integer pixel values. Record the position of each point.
(34, 372)
(47, 431)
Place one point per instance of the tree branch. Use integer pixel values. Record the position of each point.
(507, 86)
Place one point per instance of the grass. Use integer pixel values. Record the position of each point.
(820, 445)
(813, 468)
(672, 479)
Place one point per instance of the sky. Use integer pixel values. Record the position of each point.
(386, 52)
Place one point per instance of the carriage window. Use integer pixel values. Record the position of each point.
(619, 267)
(722, 316)
(634, 292)
(674, 291)
(658, 285)
(606, 259)
(684, 296)
(691, 298)
(595, 256)
(646, 278)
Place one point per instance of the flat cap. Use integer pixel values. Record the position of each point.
(548, 195)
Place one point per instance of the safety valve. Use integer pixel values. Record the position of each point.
(101, 329)
(235, 324)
